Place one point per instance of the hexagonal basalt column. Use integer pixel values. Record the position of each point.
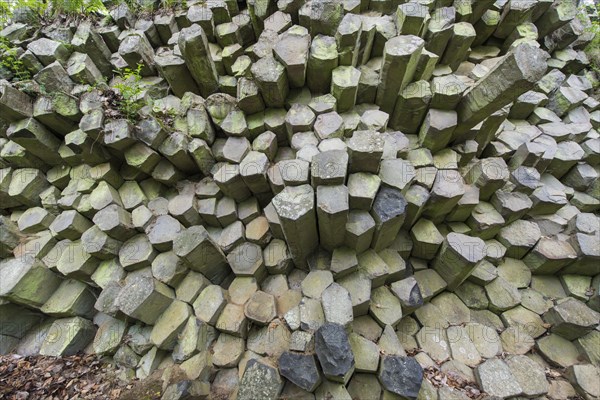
(246, 259)
(27, 281)
(458, 257)
(365, 149)
(389, 210)
(292, 51)
(332, 213)
(322, 60)
(194, 49)
(514, 75)
(144, 298)
(400, 57)
(201, 253)
(272, 81)
(344, 87)
(295, 206)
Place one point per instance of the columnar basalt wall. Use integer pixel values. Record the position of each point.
(308, 199)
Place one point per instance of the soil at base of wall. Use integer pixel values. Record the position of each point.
(73, 377)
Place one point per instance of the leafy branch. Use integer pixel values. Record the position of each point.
(10, 60)
(589, 16)
(38, 11)
(130, 90)
(76, 7)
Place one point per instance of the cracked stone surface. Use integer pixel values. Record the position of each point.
(316, 199)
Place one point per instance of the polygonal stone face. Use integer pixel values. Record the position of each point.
(323, 58)
(76, 262)
(337, 305)
(389, 205)
(315, 282)
(365, 149)
(210, 303)
(235, 149)
(430, 283)
(385, 307)
(115, 221)
(144, 298)
(334, 352)
(163, 231)
(585, 379)
(67, 336)
(136, 253)
(515, 272)
(254, 167)
(278, 22)
(246, 260)
(344, 86)
(311, 314)
(260, 308)
(271, 78)
(323, 104)
(47, 51)
(359, 287)
(231, 236)
(447, 185)
(294, 202)
(300, 369)
(72, 298)
(502, 295)
(27, 281)
(401, 376)
(293, 172)
(408, 292)
(257, 231)
(470, 249)
(571, 318)
(519, 237)
(300, 118)
(397, 173)
(34, 220)
(228, 350)
(329, 125)
(359, 223)
(485, 221)
(374, 120)
(329, 168)
(233, 320)
(292, 51)
(345, 77)
(259, 381)
(168, 326)
(495, 376)
(201, 253)
(366, 353)
(343, 262)
(242, 289)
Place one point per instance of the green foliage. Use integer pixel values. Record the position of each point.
(10, 60)
(130, 89)
(592, 50)
(38, 10)
(591, 13)
(138, 6)
(168, 4)
(151, 6)
(172, 4)
(132, 4)
(31, 11)
(76, 7)
(5, 12)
